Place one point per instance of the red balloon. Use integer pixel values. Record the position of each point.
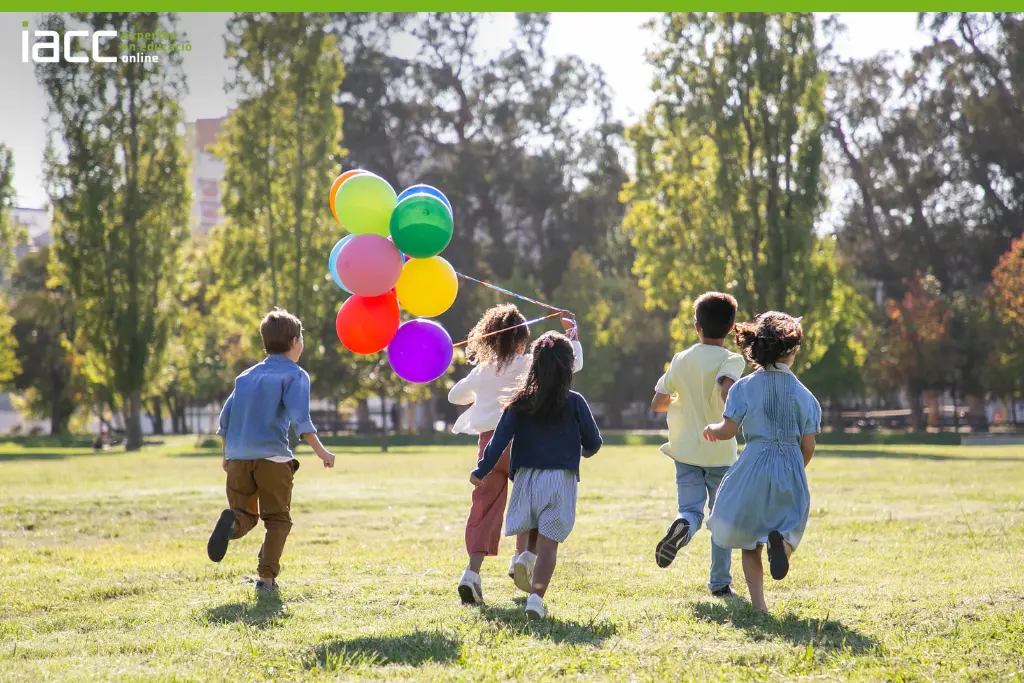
(367, 324)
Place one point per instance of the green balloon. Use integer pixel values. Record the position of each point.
(364, 204)
(421, 225)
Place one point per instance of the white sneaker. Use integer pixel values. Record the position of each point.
(512, 567)
(470, 588)
(523, 571)
(535, 608)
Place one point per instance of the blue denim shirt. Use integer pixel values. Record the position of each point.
(268, 397)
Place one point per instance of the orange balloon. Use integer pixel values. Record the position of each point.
(336, 184)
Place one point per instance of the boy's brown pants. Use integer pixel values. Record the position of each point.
(262, 489)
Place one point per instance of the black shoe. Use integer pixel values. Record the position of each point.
(777, 558)
(217, 546)
(676, 537)
(726, 592)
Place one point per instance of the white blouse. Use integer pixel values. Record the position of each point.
(486, 389)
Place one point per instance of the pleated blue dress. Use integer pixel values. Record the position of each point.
(766, 490)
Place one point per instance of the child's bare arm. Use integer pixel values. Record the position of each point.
(313, 440)
(726, 384)
(721, 431)
(661, 402)
(807, 444)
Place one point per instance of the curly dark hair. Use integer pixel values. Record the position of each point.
(544, 390)
(499, 349)
(770, 337)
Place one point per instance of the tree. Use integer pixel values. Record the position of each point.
(10, 236)
(728, 184)
(44, 325)
(282, 147)
(1004, 368)
(523, 143)
(913, 351)
(117, 182)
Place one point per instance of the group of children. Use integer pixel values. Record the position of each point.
(533, 430)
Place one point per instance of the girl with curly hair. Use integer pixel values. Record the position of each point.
(550, 428)
(764, 498)
(498, 349)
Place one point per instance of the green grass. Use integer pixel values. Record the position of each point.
(910, 570)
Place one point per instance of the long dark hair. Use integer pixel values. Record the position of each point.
(770, 337)
(544, 390)
(501, 348)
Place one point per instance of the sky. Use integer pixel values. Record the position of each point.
(614, 41)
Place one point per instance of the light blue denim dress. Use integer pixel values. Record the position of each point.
(766, 490)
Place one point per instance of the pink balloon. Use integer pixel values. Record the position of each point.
(369, 265)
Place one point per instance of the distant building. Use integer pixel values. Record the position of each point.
(207, 173)
(36, 224)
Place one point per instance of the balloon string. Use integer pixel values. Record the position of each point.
(489, 334)
(512, 294)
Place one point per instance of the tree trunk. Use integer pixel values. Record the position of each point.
(363, 416)
(156, 416)
(133, 421)
(976, 413)
(916, 409)
(383, 424)
(931, 397)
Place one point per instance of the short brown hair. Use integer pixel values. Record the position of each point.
(715, 312)
(279, 329)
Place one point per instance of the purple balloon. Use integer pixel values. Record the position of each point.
(421, 351)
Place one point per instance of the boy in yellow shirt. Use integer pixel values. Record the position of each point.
(693, 393)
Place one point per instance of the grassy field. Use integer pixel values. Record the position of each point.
(911, 570)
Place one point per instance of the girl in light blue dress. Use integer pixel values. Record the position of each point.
(764, 498)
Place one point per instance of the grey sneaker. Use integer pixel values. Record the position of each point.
(263, 589)
(523, 571)
(470, 588)
(535, 608)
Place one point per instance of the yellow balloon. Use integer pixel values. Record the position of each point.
(427, 287)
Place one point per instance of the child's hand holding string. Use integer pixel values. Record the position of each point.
(569, 324)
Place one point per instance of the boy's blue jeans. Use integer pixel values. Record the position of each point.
(696, 486)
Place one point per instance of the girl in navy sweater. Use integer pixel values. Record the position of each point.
(550, 427)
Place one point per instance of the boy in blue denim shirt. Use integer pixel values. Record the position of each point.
(267, 399)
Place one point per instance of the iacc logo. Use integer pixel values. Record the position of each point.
(47, 46)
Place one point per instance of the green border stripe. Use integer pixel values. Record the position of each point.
(22, 7)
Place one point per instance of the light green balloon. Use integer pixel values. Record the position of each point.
(364, 204)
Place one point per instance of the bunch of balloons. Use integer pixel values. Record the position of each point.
(390, 260)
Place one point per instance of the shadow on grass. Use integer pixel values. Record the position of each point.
(38, 455)
(413, 649)
(826, 452)
(553, 629)
(827, 634)
(263, 613)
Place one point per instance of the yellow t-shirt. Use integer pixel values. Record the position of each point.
(692, 380)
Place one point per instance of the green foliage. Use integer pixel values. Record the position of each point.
(728, 183)
(44, 327)
(10, 233)
(118, 185)
(9, 237)
(282, 147)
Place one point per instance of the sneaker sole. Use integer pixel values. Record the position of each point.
(468, 595)
(217, 546)
(534, 615)
(522, 578)
(675, 537)
(777, 560)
